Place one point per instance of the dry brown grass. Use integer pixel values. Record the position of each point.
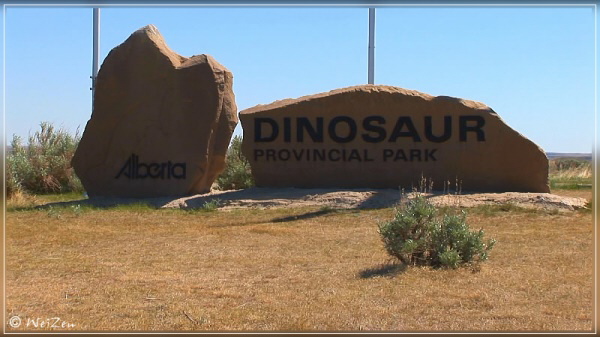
(20, 199)
(587, 194)
(569, 173)
(289, 269)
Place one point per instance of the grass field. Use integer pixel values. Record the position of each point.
(135, 268)
(570, 173)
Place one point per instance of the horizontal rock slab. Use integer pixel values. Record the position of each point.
(364, 198)
(161, 123)
(378, 136)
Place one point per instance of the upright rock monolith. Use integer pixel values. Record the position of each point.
(387, 137)
(161, 122)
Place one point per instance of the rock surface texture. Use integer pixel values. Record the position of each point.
(161, 122)
(376, 136)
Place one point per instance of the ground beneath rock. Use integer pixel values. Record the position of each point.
(340, 198)
(369, 198)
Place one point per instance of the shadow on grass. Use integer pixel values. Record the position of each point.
(104, 203)
(385, 270)
(309, 215)
(381, 198)
(305, 216)
(255, 196)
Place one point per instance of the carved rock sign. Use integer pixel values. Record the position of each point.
(161, 122)
(387, 137)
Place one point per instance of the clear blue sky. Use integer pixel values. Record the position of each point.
(533, 65)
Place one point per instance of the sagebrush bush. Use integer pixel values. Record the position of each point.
(563, 164)
(237, 173)
(419, 235)
(44, 165)
(10, 183)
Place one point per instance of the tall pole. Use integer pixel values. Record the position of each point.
(371, 45)
(96, 50)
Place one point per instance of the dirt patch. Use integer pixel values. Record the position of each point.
(526, 200)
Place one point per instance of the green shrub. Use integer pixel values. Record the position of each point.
(210, 206)
(237, 174)
(565, 164)
(419, 235)
(11, 185)
(44, 165)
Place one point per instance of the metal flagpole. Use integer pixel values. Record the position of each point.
(371, 45)
(96, 50)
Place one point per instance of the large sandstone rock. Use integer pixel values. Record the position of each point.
(387, 137)
(161, 122)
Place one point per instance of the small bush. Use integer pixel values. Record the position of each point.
(418, 235)
(53, 212)
(12, 186)
(237, 173)
(44, 165)
(210, 206)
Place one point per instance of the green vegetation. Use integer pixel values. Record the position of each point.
(44, 165)
(420, 235)
(211, 205)
(570, 173)
(237, 174)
